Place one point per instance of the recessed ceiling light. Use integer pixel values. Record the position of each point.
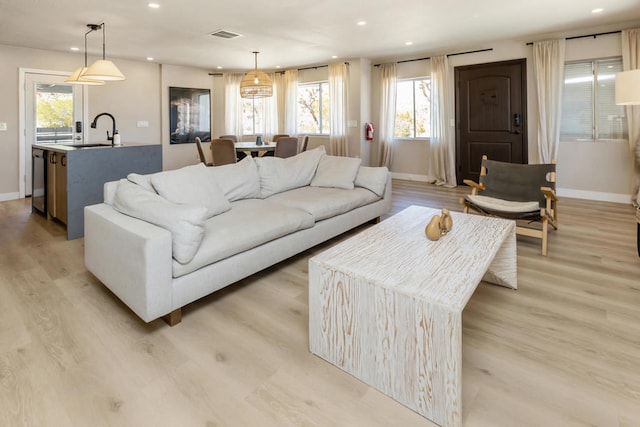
(154, 5)
(277, 66)
(149, 58)
(598, 10)
(362, 23)
(408, 43)
(219, 67)
(334, 56)
(75, 48)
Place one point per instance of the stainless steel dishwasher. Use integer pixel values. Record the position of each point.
(39, 181)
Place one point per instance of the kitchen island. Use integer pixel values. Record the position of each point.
(75, 175)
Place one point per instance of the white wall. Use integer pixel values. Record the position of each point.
(600, 171)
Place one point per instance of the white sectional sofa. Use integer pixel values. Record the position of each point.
(162, 241)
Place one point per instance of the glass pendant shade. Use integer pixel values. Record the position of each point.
(103, 70)
(628, 87)
(78, 78)
(256, 84)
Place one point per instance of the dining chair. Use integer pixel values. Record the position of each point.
(203, 159)
(304, 141)
(223, 152)
(233, 138)
(277, 136)
(286, 147)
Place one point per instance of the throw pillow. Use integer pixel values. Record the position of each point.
(191, 185)
(278, 175)
(238, 180)
(373, 178)
(184, 222)
(336, 172)
(142, 180)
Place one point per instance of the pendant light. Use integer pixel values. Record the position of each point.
(77, 77)
(103, 69)
(256, 84)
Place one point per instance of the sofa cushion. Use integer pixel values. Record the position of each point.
(322, 202)
(278, 175)
(191, 185)
(336, 172)
(185, 222)
(372, 178)
(249, 223)
(238, 180)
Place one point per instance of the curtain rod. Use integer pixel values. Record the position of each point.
(587, 35)
(448, 55)
(315, 67)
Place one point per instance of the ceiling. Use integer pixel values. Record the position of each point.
(297, 32)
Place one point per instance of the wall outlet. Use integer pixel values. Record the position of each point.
(3, 126)
(142, 124)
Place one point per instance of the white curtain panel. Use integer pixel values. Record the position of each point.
(290, 101)
(548, 66)
(279, 95)
(441, 168)
(338, 90)
(232, 104)
(631, 61)
(387, 118)
(270, 107)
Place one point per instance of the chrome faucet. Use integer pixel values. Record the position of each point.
(94, 124)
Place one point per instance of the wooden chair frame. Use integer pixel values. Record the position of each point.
(548, 213)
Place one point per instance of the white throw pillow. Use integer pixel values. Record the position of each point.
(336, 172)
(142, 180)
(238, 180)
(278, 175)
(373, 178)
(185, 222)
(191, 185)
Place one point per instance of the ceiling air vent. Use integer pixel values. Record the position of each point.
(224, 34)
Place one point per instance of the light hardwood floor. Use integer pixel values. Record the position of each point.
(562, 350)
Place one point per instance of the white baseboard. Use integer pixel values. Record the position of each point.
(9, 196)
(594, 195)
(409, 177)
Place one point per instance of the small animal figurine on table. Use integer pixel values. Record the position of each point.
(439, 225)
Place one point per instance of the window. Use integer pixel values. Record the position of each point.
(589, 111)
(313, 108)
(252, 116)
(413, 104)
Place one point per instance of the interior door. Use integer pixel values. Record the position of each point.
(491, 116)
(53, 108)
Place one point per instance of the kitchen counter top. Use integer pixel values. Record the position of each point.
(63, 148)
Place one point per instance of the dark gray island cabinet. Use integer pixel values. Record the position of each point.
(75, 176)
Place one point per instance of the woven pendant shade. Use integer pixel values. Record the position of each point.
(256, 84)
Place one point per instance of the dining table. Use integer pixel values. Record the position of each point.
(252, 146)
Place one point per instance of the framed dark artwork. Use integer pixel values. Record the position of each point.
(189, 115)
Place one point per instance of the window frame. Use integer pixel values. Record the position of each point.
(319, 84)
(595, 111)
(253, 117)
(413, 101)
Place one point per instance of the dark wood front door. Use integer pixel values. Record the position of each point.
(491, 116)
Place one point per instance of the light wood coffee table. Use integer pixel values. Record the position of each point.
(386, 305)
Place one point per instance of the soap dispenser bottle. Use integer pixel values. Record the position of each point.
(116, 138)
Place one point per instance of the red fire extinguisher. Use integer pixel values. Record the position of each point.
(368, 131)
